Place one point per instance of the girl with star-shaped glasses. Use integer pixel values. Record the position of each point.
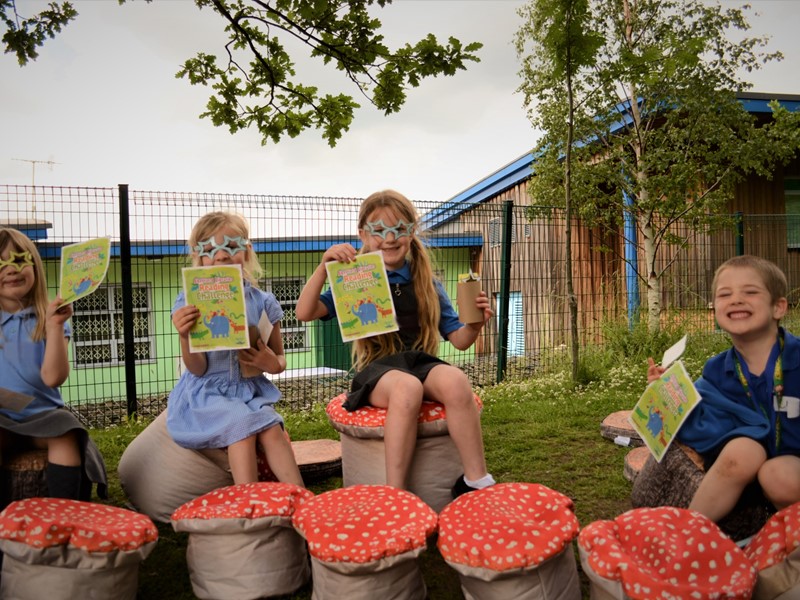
(214, 405)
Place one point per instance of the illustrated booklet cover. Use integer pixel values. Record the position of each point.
(83, 268)
(665, 404)
(361, 294)
(218, 293)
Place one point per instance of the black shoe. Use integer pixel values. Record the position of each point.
(460, 488)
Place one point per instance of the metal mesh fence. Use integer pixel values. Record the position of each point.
(125, 355)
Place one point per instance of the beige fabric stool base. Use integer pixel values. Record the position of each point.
(555, 579)
(248, 565)
(158, 476)
(23, 581)
(398, 578)
(600, 588)
(434, 469)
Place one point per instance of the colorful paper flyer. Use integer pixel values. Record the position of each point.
(218, 293)
(83, 268)
(361, 294)
(663, 407)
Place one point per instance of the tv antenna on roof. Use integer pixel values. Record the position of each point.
(49, 163)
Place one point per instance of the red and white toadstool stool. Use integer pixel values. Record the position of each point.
(436, 464)
(242, 543)
(512, 540)
(65, 549)
(364, 541)
(775, 553)
(663, 552)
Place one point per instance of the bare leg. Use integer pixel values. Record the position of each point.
(242, 458)
(401, 395)
(280, 456)
(450, 386)
(723, 484)
(780, 479)
(62, 450)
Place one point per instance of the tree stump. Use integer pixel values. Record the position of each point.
(634, 462)
(318, 459)
(674, 480)
(23, 476)
(617, 425)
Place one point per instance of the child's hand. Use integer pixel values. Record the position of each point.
(344, 253)
(484, 304)
(262, 358)
(55, 317)
(654, 371)
(184, 319)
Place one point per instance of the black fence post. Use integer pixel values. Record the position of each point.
(127, 300)
(739, 234)
(503, 300)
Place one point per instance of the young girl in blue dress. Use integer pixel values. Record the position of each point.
(397, 370)
(34, 334)
(213, 405)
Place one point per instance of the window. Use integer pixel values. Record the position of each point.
(791, 191)
(496, 233)
(516, 324)
(97, 327)
(287, 291)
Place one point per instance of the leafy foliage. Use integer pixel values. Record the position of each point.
(24, 35)
(659, 131)
(254, 79)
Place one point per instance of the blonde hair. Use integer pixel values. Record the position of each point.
(771, 274)
(210, 224)
(372, 348)
(37, 297)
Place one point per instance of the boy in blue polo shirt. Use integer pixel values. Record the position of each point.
(747, 427)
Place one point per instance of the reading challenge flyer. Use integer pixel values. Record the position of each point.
(83, 268)
(663, 407)
(218, 292)
(361, 293)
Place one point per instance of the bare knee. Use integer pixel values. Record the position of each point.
(400, 393)
(780, 480)
(740, 460)
(449, 385)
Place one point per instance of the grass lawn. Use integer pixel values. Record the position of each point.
(544, 430)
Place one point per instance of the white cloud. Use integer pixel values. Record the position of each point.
(103, 103)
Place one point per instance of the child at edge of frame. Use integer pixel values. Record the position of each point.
(747, 426)
(34, 338)
(397, 370)
(214, 405)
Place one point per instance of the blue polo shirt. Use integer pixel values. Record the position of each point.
(720, 370)
(448, 321)
(21, 364)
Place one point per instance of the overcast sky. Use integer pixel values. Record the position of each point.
(103, 104)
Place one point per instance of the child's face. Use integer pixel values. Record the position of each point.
(388, 233)
(16, 278)
(227, 247)
(743, 306)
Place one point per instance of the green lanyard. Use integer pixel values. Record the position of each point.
(777, 388)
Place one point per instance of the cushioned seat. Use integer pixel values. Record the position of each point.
(436, 464)
(512, 540)
(364, 541)
(242, 543)
(159, 476)
(67, 549)
(775, 553)
(664, 552)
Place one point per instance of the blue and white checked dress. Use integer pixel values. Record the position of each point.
(221, 407)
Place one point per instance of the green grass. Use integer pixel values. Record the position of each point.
(544, 430)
